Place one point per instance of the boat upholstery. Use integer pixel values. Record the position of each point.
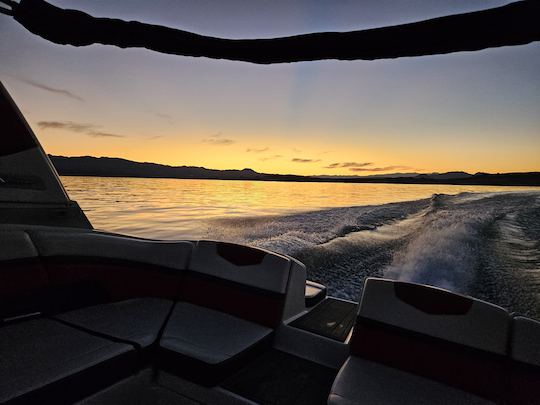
(44, 361)
(432, 333)
(232, 297)
(22, 277)
(525, 371)
(362, 381)
(83, 244)
(208, 344)
(138, 321)
(90, 268)
(245, 282)
(107, 300)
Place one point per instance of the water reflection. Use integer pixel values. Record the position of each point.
(176, 209)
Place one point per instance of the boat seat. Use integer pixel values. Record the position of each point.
(208, 344)
(428, 333)
(232, 298)
(525, 353)
(89, 268)
(44, 361)
(246, 282)
(23, 280)
(138, 321)
(361, 381)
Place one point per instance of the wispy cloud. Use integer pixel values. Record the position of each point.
(164, 116)
(50, 89)
(152, 138)
(88, 129)
(348, 165)
(255, 150)
(266, 158)
(299, 160)
(217, 139)
(68, 125)
(99, 134)
(380, 169)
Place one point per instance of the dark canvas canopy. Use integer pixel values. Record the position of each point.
(513, 24)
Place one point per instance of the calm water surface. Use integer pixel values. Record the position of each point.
(178, 208)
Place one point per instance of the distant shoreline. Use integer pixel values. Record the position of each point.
(116, 168)
(311, 180)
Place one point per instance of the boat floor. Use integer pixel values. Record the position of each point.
(277, 377)
(274, 377)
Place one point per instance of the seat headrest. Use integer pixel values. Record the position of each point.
(173, 254)
(437, 313)
(242, 264)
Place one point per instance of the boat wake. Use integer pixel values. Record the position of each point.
(482, 244)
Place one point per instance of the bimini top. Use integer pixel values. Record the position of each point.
(513, 24)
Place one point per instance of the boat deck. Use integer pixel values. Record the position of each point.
(274, 377)
(332, 318)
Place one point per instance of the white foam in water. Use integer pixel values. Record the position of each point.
(464, 243)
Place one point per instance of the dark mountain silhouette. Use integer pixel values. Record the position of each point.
(116, 167)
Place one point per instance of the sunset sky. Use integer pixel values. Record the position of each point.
(468, 111)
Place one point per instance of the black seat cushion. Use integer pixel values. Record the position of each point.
(44, 361)
(138, 321)
(208, 344)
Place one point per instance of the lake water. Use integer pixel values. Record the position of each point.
(478, 240)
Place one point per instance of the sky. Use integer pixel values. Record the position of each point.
(471, 111)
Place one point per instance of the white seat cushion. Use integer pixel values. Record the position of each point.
(363, 382)
(137, 320)
(209, 336)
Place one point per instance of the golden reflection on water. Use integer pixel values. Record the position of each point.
(178, 208)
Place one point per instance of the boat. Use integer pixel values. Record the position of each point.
(100, 318)
(94, 317)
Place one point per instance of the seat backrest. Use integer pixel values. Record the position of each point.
(23, 280)
(525, 367)
(88, 268)
(525, 341)
(432, 332)
(246, 282)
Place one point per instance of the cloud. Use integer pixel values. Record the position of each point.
(380, 169)
(88, 129)
(348, 165)
(255, 150)
(151, 138)
(298, 160)
(164, 116)
(264, 159)
(217, 139)
(68, 125)
(42, 86)
(98, 134)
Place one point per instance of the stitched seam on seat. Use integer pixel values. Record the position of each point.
(202, 347)
(114, 339)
